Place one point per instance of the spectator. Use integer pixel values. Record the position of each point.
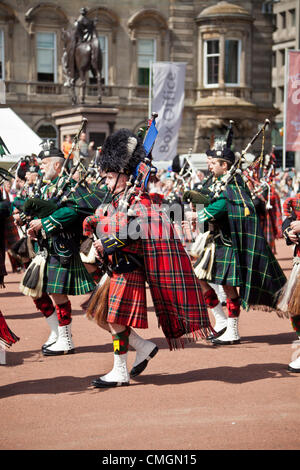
(287, 185)
(66, 147)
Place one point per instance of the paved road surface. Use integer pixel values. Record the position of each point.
(202, 397)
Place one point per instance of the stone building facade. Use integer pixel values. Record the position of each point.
(227, 47)
(286, 36)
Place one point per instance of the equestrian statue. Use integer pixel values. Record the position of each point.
(82, 53)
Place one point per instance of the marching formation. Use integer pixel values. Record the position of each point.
(102, 231)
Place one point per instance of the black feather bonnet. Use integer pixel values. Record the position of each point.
(121, 152)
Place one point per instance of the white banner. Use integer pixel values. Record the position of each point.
(168, 102)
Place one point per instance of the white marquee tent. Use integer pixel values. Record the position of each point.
(18, 138)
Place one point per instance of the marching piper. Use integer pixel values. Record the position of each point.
(202, 195)
(148, 250)
(57, 271)
(236, 255)
(289, 304)
(7, 337)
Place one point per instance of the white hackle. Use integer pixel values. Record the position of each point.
(131, 145)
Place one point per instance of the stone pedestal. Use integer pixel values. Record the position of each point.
(100, 122)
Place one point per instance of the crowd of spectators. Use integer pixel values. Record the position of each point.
(286, 182)
(82, 149)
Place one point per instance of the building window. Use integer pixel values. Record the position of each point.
(273, 59)
(146, 53)
(282, 57)
(282, 19)
(281, 94)
(232, 60)
(47, 132)
(212, 54)
(103, 44)
(46, 57)
(292, 14)
(103, 41)
(2, 68)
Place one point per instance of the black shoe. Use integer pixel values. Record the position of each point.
(99, 383)
(48, 352)
(215, 336)
(137, 370)
(45, 346)
(219, 342)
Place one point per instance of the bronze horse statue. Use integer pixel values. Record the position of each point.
(78, 58)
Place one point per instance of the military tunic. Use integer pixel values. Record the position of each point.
(224, 269)
(243, 257)
(62, 230)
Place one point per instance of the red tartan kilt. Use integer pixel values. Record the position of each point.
(127, 300)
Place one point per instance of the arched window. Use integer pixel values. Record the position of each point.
(149, 37)
(47, 131)
(45, 23)
(107, 23)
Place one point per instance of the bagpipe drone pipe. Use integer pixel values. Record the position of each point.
(84, 202)
(203, 248)
(236, 167)
(80, 197)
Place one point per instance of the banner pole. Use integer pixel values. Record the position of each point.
(285, 109)
(150, 91)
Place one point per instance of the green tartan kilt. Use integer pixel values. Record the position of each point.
(69, 280)
(224, 270)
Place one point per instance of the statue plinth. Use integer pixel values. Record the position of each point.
(100, 122)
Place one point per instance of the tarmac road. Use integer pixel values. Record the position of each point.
(203, 397)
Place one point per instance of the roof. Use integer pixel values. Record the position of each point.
(224, 9)
(18, 137)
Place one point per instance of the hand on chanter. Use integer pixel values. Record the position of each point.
(98, 247)
(295, 226)
(191, 216)
(34, 227)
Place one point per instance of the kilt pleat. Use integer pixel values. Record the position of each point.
(224, 270)
(262, 278)
(127, 299)
(70, 280)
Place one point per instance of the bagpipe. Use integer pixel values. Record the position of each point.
(96, 306)
(182, 179)
(138, 181)
(203, 249)
(259, 176)
(5, 175)
(236, 168)
(65, 193)
(67, 159)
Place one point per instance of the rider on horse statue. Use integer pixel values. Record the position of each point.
(82, 52)
(85, 28)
